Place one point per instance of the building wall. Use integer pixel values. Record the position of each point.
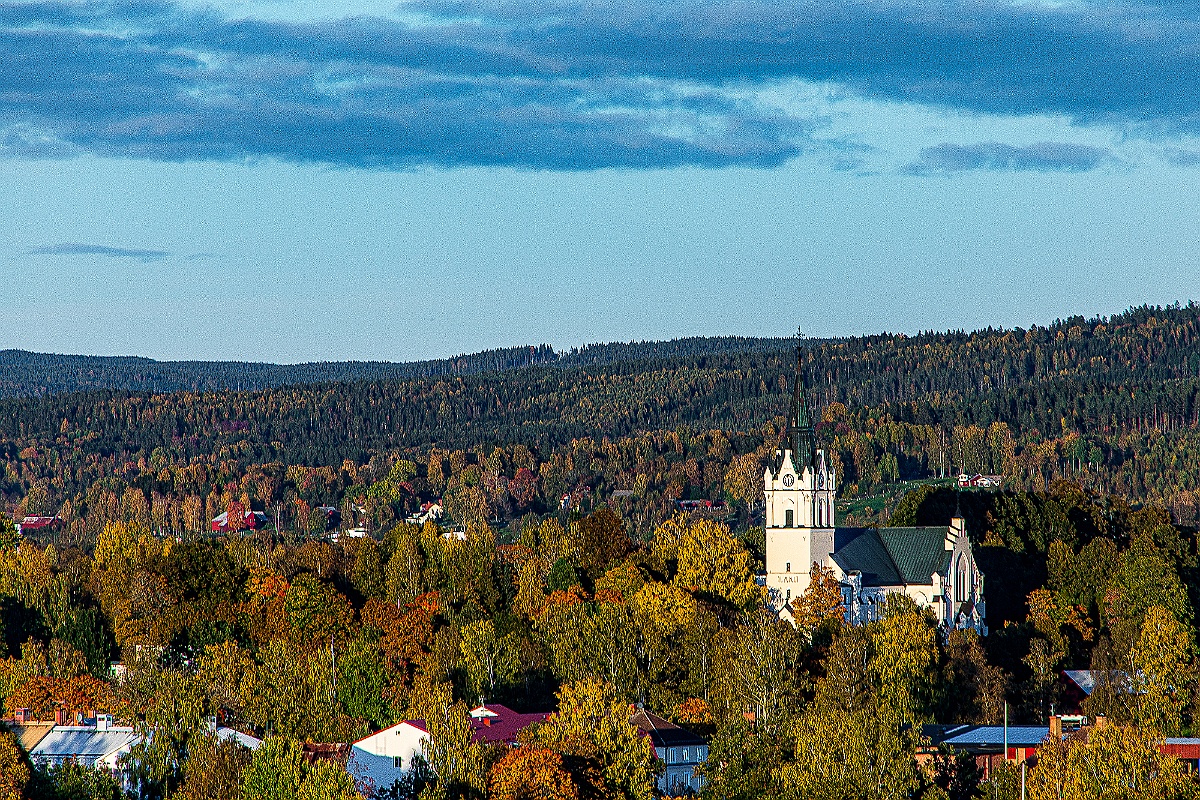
(372, 761)
(791, 550)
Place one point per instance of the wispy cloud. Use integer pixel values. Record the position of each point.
(570, 85)
(1041, 157)
(77, 249)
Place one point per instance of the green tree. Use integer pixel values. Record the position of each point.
(327, 780)
(14, 772)
(593, 725)
(214, 770)
(1163, 670)
(857, 755)
(487, 658)
(275, 772)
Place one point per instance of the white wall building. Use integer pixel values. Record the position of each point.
(935, 566)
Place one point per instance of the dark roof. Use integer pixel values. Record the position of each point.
(892, 556)
(662, 733)
(918, 552)
(864, 552)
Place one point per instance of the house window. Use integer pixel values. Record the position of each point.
(789, 518)
(397, 762)
(685, 758)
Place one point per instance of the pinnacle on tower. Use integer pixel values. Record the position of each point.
(802, 439)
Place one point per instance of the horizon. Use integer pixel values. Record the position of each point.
(1101, 317)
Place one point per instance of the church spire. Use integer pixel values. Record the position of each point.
(802, 439)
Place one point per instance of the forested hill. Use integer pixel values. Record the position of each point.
(1112, 404)
(24, 374)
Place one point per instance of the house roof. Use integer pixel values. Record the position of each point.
(661, 732)
(494, 723)
(244, 739)
(29, 734)
(985, 736)
(892, 556)
(83, 742)
(917, 552)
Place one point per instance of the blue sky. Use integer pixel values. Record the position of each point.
(318, 181)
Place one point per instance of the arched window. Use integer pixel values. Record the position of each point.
(961, 591)
(822, 519)
(789, 567)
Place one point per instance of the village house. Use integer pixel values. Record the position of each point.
(378, 761)
(680, 751)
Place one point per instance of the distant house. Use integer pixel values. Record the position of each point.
(429, 512)
(31, 525)
(700, 505)
(333, 517)
(381, 759)
(987, 742)
(99, 744)
(252, 520)
(978, 481)
(680, 750)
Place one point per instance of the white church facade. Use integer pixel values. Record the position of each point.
(934, 566)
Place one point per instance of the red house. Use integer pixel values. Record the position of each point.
(253, 520)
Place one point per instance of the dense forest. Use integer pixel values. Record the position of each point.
(566, 578)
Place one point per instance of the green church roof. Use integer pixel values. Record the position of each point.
(893, 556)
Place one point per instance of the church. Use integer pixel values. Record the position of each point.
(932, 565)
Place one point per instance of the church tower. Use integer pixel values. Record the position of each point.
(799, 489)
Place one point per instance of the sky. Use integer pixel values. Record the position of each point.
(315, 181)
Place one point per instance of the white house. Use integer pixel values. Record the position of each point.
(934, 566)
(381, 759)
(102, 745)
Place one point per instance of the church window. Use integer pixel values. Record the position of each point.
(960, 584)
(789, 595)
(789, 518)
(788, 568)
(397, 762)
(822, 521)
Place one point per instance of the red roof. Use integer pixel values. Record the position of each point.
(39, 522)
(493, 724)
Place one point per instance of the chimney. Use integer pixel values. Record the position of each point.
(103, 722)
(61, 716)
(1056, 727)
(487, 721)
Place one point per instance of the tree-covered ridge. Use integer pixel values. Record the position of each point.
(40, 374)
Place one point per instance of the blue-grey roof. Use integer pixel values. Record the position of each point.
(892, 556)
(993, 736)
(84, 742)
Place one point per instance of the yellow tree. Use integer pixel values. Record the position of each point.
(712, 562)
(14, 774)
(532, 773)
(487, 658)
(1114, 763)
(1163, 672)
(593, 725)
(842, 755)
(905, 659)
(821, 602)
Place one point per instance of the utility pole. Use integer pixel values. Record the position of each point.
(1006, 730)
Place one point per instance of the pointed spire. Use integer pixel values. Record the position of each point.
(802, 439)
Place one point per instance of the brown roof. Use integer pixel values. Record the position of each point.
(661, 732)
(336, 751)
(30, 734)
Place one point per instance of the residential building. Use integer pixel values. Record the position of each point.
(935, 566)
(96, 743)
(381, 759)
(252, 520)
(680, 750)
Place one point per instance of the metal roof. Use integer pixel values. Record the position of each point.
(84, 742)
(993, 736)
(893, 556)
